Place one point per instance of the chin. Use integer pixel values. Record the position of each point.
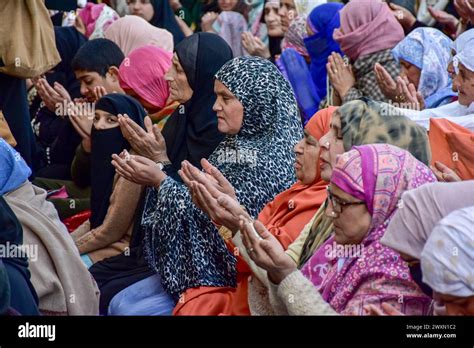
(464, 101)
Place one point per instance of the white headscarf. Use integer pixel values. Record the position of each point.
(447, 260)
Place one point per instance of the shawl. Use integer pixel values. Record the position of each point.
(96, 19)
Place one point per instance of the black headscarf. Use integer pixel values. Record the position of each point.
(23, 297)
(274, 43)
(191, 132)
(105, 143)
(165, 18)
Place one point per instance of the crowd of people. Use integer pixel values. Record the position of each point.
(231, 157)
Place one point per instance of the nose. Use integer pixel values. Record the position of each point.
(324, 142)
(216, 107)
(329, 211)
(298, 148)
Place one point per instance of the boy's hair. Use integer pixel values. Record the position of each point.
(98, 55)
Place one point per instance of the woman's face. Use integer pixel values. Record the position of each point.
(142, 8)
(307, 153)
(230, 111)
(227, 5)
(103, 120)
(331, 146)
(464, 84)
(180, 90)
(455, 305)
(287, 13)
(272, 19)
(411, 72)
(352, 224)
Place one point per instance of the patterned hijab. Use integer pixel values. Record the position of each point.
(377, 174)
(96, 19)
(181, 243)
(294, 37)
(367, 122)
(429, 50)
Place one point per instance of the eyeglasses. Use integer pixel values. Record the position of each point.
(338, 205)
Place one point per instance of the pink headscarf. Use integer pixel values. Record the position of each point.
(131, 32)
(144, 71)
(368, 26)
(378, 174)
(96, 19)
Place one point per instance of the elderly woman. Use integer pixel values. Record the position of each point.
(423, 55)
(352, 269)
(447, 262)
(190, 134)
(368, 33)
(182, 244)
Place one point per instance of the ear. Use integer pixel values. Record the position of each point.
(114, 73)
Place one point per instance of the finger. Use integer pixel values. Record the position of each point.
(123, 164)
(203, 202)
(61, 91)
(136, 130)
(390, 310)
(373, 310)
(186, 180)
(143, 160)
(231, 206)
(148, 125)
(158, 135)
(215, 173)
(48, 89)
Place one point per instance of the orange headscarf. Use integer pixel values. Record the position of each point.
(452, 144)
(292, 209)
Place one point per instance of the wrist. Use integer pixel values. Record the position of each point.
(277, 277)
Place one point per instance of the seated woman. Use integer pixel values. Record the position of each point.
(462, 72)
(352, 269)
(423, 55)
(182, 244)
(254, 45)
(305, 55)
(448, 273)
(284, 216)
(142, 76)
(113, 199)
(62, 282)
(131, 32)
(368, 33)
(21, 297)
(54, 132)
(190, 134)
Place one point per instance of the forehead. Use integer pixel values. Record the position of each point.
(220, 88)
(103, 113)
(465, 70)
(80, 74)
(339, 193)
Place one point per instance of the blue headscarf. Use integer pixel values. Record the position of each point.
(323, 20)
(309, 82)
(13, 169)
(430, 51)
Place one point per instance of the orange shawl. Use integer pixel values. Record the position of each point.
(452, 145)
(284, 217)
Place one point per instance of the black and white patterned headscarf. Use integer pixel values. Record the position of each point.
(181, 243)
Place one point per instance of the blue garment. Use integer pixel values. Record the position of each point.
(146, 297)
(309, 82)
(13, 169)
(430, 51)
(87, 260)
